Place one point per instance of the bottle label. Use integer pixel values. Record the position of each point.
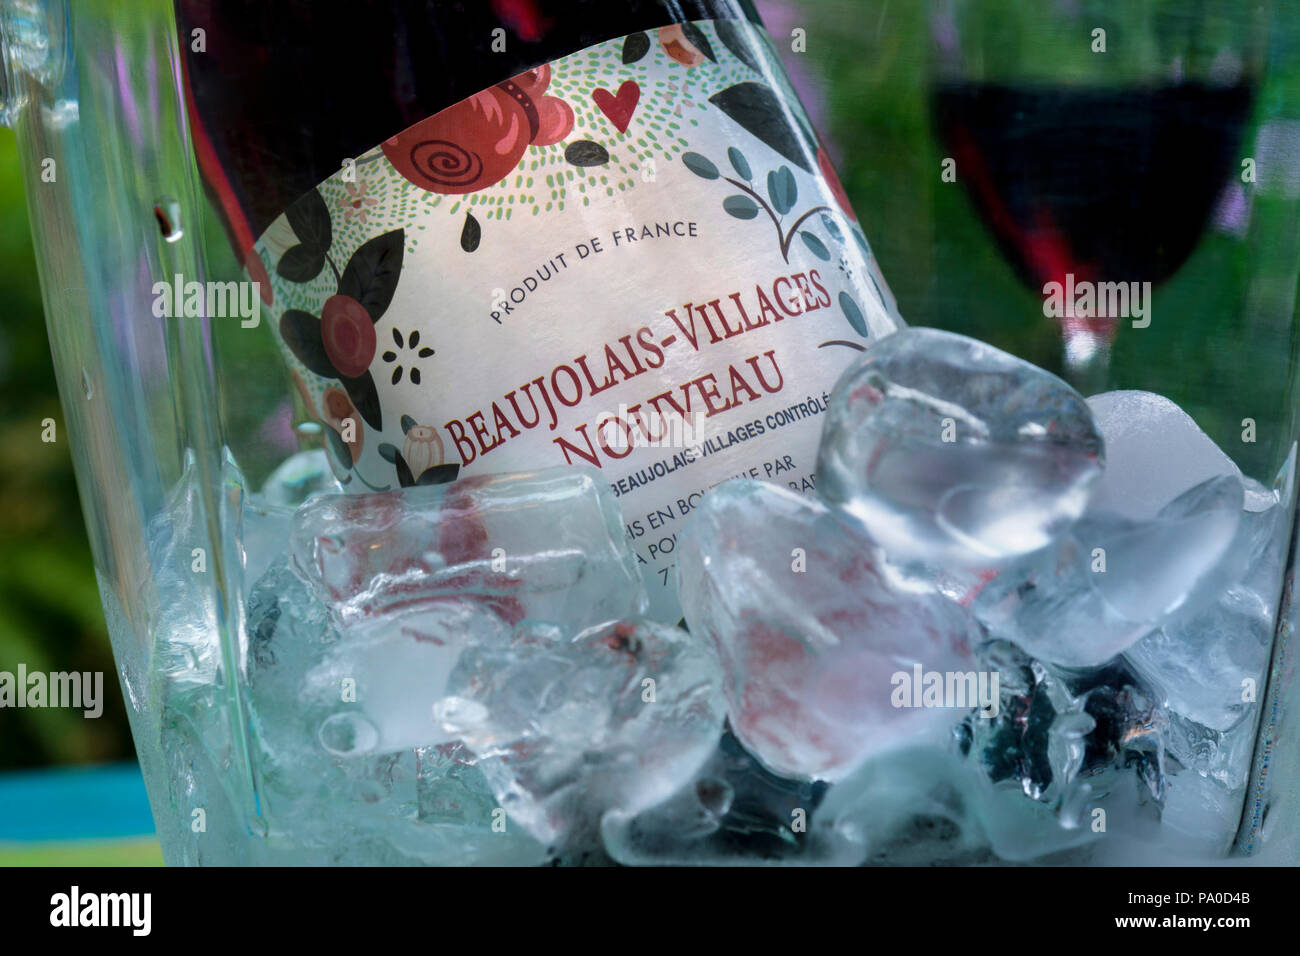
(636, 259)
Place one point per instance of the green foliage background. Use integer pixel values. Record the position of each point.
(50, 615)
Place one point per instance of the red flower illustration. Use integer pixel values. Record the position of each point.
(348, 333)
(477, 142)
(676, 44)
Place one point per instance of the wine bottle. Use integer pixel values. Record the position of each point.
(497, 235)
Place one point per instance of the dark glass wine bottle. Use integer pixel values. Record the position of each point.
(368, 71)
(497, 235)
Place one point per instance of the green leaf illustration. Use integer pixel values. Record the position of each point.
(833, 228)
(301, 264)
(301, 331)
(338, 447)
(407, 423)
(404, 477)
(310, 219)
(879, 295)
(701, 166)
(472, 234)
(365, 397)
(635, 47)
(740, 164)
(815, 245)
(854, 314)
(387, 452)
(759, 111)
(438, 474)
(371, 274)
(782, 190)
(695, 36)
(742, 207)
(586, 153)
(735, 38)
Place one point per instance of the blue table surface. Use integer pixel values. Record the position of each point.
(74, 803)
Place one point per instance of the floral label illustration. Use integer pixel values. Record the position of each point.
(636, 259)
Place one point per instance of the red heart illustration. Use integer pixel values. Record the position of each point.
(619, 108)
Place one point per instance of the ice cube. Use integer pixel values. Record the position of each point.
(566, 727)
(821, 653)
(735, 812)
(953, 452)
(1154, 453)
(1210, 667)
(925, 804)
(299, 477)
(546, 545)
(451, 788)
(911, 806)
(1112, 580)
(1069, 743)
(1222, 755)
(401, 583)
(1200, 815)
(365, 689)
(345, 737)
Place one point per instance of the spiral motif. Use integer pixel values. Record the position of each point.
(445, 163)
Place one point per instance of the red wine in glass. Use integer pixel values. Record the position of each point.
(1106, 185)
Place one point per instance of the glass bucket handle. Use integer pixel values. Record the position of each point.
(33, 49)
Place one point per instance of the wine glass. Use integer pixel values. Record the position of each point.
(1098, 142)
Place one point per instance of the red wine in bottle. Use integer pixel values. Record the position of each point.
(497, 235)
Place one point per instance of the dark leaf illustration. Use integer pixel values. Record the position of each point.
(586, 153)
(365, 397)
(782, 190)
(742, 207)
(388, 452)
(861, 240)
(814, 244)
(404, 477)
(310, 219)
(856, 346)
(758, 110)
(736, 39)
(372, 272)
(695, 36)
(439, 474)
(701, 166)
(879, 295)
(472, 234)
(740, 164)
(407, 423)
(635, 46)
(853, 314)
(833, 228)
(301, 331)
(301, 264)
(338, 447)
